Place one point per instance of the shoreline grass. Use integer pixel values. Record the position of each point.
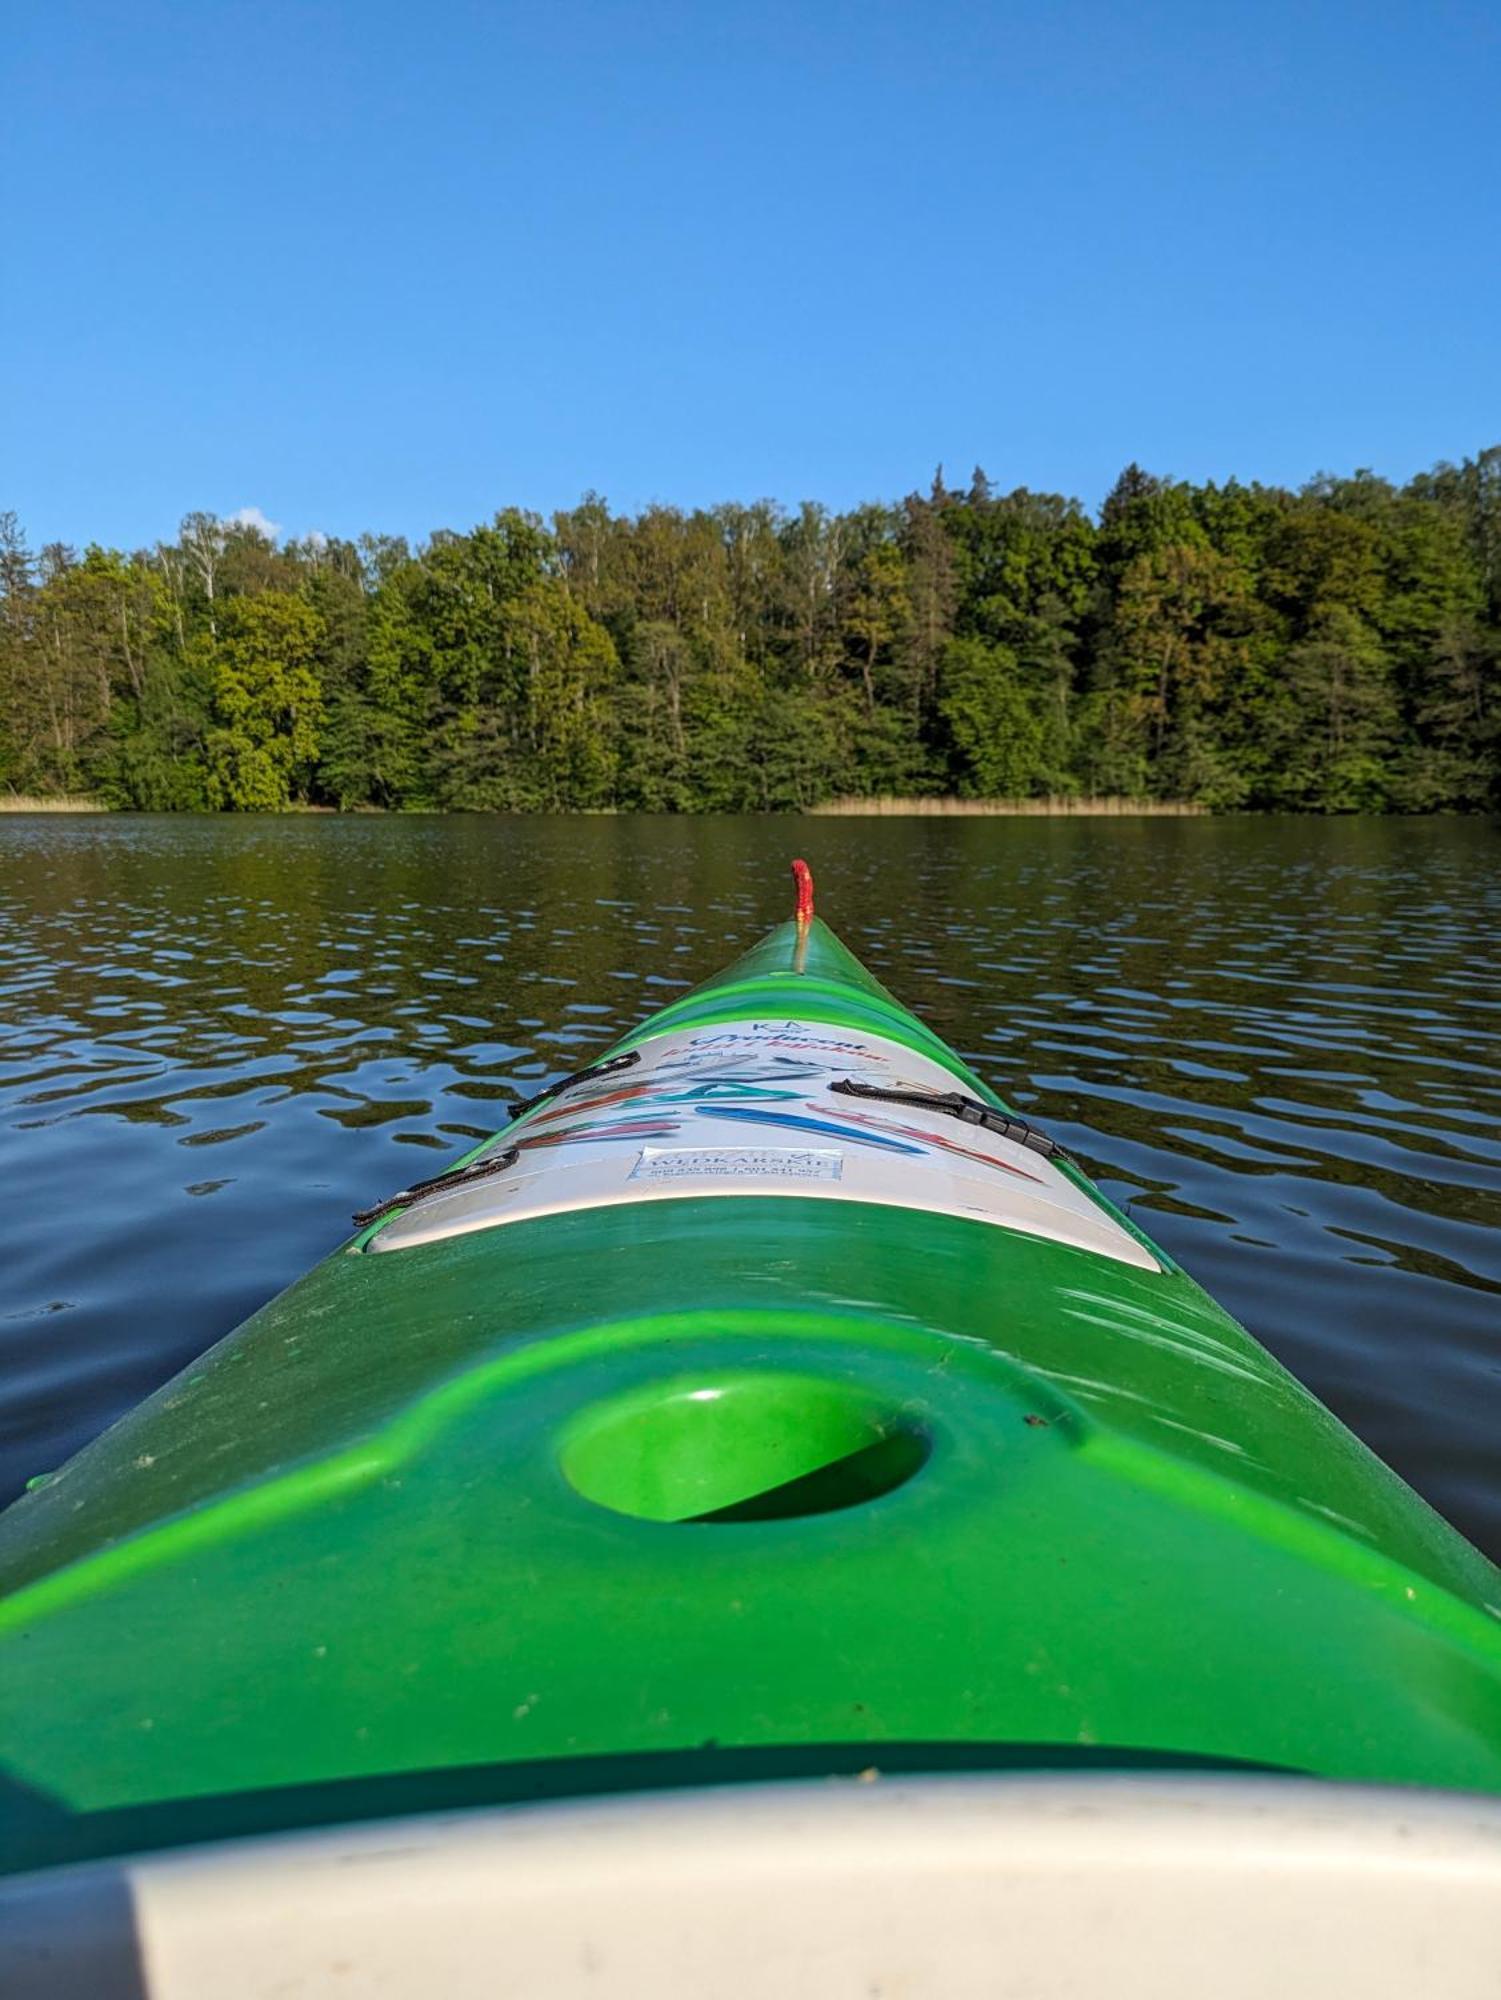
(1059, 804)
(18, 802)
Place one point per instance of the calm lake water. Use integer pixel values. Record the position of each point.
(1277, 1042)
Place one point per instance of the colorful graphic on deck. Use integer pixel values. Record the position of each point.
(748, 1109)
(738, 1091)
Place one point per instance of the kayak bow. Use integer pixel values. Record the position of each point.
(769, 1400)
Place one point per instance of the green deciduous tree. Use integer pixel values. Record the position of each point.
(266, 703)
(997, 735)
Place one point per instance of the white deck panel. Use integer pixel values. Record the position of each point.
(746, 1108)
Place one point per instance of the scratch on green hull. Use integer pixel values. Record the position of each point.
(341, 1549)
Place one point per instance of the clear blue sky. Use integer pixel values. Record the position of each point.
(394, 266)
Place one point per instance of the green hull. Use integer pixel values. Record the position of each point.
(649, 1492)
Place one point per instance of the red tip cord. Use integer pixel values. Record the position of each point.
(802, 874)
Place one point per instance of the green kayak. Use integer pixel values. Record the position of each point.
(769, 1404)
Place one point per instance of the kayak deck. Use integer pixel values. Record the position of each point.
(666, 1476)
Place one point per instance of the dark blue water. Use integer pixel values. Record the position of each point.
(1278, 1041)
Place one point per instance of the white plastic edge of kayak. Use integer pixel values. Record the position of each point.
(745, 1107)
(1211, 1888)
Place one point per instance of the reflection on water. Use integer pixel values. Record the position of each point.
(1276, 1041)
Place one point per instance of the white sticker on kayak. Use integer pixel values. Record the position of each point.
(760, 1107)
(657, 1165)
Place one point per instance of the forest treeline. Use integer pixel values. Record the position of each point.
(1334, 649)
